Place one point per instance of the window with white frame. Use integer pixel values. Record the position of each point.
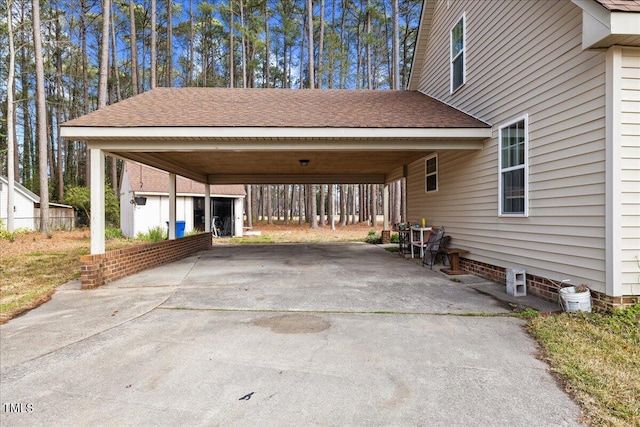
(513, 140)
(431, 174)
(458, 43)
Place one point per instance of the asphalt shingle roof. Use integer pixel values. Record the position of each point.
(621, 5)
(223, 107)
(148, 180)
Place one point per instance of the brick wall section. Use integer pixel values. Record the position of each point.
(96, 270)
(545, 288)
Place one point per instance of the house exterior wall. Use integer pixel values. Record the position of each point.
(630, 170)
(155, 213)
(541, 72)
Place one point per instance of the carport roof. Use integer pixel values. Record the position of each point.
(259, 136)
(274, 108)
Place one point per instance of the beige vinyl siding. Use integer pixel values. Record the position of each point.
(539, 70)
(630, 176)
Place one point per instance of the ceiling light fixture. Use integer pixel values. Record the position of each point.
(304, 162)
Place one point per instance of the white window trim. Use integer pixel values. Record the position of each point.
(525, 166)
(433, 156)
(463, 51)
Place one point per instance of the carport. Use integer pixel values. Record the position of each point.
(270, 136)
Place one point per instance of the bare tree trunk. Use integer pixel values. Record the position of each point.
(114, 59)
(369, 73)
(352, 201)
(314, 206)
(154, 65)
(332, 212)
(374, 205)
(269, 205)
(321, 46)
(244, 49)
(254, 202)
(11, 165)
(300, 206)
(59, 96)
(396, 47)
(85, 82)
(191, 50)
(267, 60)
(104, 55)
(169, 64)
(343, 205)
(362, 214)
(231, 46)
(41, 120)
(310, 47)
(321, 222)
(134, 49)
(249, 207)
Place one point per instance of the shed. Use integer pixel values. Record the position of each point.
(144, 202)
(26, 209)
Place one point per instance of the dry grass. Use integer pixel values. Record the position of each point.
(598, 357)
(294, 233)
(33, 265)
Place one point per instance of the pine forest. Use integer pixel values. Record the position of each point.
(61, 59)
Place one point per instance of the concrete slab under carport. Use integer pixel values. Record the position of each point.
(169, 354)
(321, 277)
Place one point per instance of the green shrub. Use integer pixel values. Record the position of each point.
(373, 238)
(395, 238)
(113, 233)
(155, 234)
(80, 199)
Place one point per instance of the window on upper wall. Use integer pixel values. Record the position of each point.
(431, 174)
(513, 143)
(458, 71)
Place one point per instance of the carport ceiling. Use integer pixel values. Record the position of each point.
(225, 136)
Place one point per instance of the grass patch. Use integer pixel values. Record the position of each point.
(29, 279)
(251, 239)
(598, 356)
(392, 249)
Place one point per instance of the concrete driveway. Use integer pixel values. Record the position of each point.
(313, 334)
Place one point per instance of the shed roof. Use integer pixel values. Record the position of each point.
(144, 180)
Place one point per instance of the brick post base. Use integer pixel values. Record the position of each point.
(386, 236)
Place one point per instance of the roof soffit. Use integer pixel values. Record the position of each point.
(603, 27)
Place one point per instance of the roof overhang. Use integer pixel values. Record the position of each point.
(603, 28)
(272, 155)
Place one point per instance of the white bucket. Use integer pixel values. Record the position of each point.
(571, 301)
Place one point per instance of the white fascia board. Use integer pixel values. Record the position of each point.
(625, 23)
(88, 133)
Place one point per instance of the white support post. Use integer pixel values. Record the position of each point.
(385, 207)
(172, 206)
(207, 208)
(97, 201)
(238, 214)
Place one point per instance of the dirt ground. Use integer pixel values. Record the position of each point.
(61, 241)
